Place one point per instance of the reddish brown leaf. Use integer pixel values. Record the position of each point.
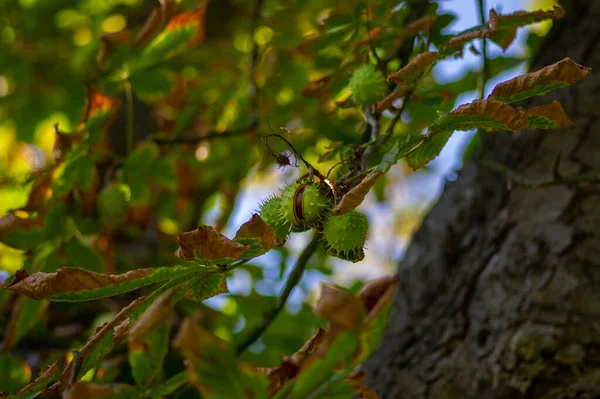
(460, 40)
(160, 311)
(190, 18)
(208, 244)
(68, 279)
(532, 16)
(373, 33)
(355, 197)
(420, 25)
(562, 73)
(342, 309)
(97, 102)
(387, 101)
(502, 113)
(257, 228)
(289, 367)
(416, 65)
(554, 112)
(372, 292)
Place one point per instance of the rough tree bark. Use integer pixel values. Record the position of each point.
(499, 292)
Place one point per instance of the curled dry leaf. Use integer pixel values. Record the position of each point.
(342, 309)
(549, 116)
(420, 25)
(257, 228)
(355, 197)
(500, 116)
(290, 366)
(68, 279)
(121, 319)
(560, 74)
(372, 292)
(387, 101)
(460, 40)
(416, 65)
(209, 244)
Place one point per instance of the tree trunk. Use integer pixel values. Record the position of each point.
(499, 293)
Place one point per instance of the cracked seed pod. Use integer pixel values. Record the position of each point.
(345, 235)
(368, 86)
(270, 212)
(303, 205)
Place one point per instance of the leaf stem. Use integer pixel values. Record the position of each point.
(293, 279)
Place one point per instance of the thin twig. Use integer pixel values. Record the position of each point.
(252, 85)
(293, 279)
(76, 364)
(129, 98)
(514, 177)
(484, 75)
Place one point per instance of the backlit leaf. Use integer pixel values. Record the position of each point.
(549, 116)
(204, 286)
(36, 386)
(552, 77)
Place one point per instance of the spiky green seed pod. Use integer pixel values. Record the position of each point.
(303, 205)
(345, 235)
(270, 212)
(368, 86)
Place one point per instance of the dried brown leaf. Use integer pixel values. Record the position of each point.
(372, 292)
(257, 228)
(343, 309)
(493, 20)
(160, 311)
(417, 64)
(565, 72)
(513, 119)
(554, 112)
(355, 197)
(460, 40)
(387, 101)
(94, 390)
(68, 279)
(419, 25)
(290, 366)
(556, 13)
(209, 244)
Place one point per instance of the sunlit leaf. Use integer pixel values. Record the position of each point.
(411, 70)
(549, 116)
(552, 77)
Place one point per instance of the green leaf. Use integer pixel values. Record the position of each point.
(33, 389)
(397, 152)
(205, 286)
(25, 315)
(149, 340)
(169, 386)
(181, 31)
(211, 363)
(82, 256)
(430, 149)
(78, 172)
(339, 352)
(15, 373)
(151, 85)
(70, 284)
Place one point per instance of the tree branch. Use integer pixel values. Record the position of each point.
(484, 74)
(293, 279)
